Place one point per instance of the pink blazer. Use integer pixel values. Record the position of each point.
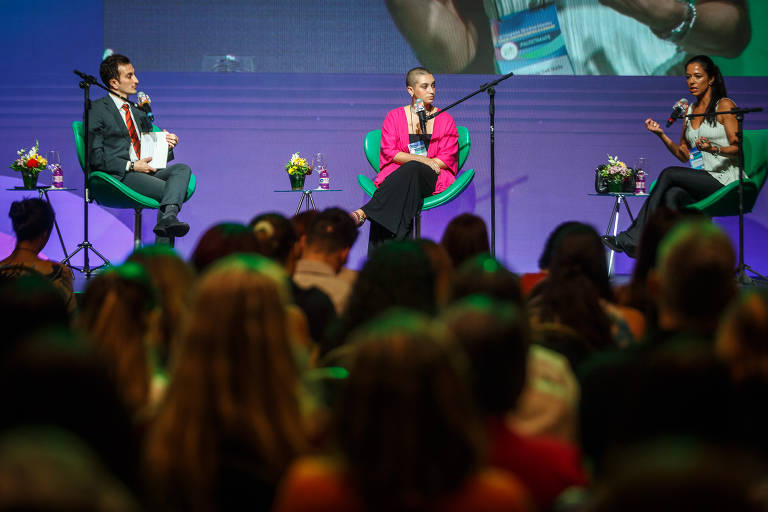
(444, 145)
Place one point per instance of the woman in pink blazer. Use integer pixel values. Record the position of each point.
(414, 164)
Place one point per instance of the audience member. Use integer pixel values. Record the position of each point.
(231, 422)
(225, 239)
(670, 476)
(742, 339)
(564, 340)
(408, 437)
(32, 221)
(742, 342)
(577, 293)
(53, 382)
(637, 293)
(29, 303)
(485, 275)
(548, 404)
(328, 241)
(222, 240)
(398, 274)
(277, 239)
(677, 389)
(173, 280)
(47, 469)
(464, 237)
(495, 337)
(301, 222)
(677, 386)
(695, 279)
(119, 316)
(442, 265)
(529, 280)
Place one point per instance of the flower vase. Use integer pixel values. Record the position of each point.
(30, 179)
(614, 186)
(297, 181)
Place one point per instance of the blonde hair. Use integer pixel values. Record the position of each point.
(234, 378)
(117, 315)
(173, 279)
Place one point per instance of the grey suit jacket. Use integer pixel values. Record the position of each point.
(108, 139)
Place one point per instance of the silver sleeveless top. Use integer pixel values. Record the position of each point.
(723, 168)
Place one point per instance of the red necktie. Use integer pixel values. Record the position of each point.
(132, 131)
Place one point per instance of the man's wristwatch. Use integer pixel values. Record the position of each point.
(679, 33)
(131, 167)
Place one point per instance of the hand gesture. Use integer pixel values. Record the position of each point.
(704, 144)
(653, 127)
(143, 165)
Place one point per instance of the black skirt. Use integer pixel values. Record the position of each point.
(397, 201)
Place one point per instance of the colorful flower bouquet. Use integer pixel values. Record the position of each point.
(297, 169)
(614, 176)
(29, 164)
(615, 171)
(298, 165)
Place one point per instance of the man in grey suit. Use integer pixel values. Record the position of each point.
(114, 133)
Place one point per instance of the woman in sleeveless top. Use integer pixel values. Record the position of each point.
(713, 135)
(414, 165)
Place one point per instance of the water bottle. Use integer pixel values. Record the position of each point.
(640, 182)
(325, 181)
(58, 176)
(640, 176)
(322, 172)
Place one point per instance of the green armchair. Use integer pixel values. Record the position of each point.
(109, 191)
(725, 201)
(372, 148)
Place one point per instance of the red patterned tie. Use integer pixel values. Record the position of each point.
(132, 130)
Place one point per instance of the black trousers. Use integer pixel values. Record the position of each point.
(167, 186)
(397, 201)
(677, 187)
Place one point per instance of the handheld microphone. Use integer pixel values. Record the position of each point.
(144, 102)
(677, 111)
(88, 78)
(419, 106)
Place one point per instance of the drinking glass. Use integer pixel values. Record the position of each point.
(318, 162)
(54, 159)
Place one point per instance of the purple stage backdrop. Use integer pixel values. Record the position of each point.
(238, 130)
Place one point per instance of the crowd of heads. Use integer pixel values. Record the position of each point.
(218, 381)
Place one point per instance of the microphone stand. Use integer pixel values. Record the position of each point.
(741, 275)
(86, 245)
(489, 87)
